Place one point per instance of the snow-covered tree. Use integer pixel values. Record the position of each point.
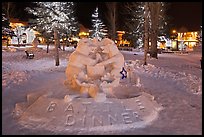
(53, 17)
(50, 15)
(70, 28)
(54, 14)
(99, 30)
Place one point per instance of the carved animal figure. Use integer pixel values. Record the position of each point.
(78, 62)
(114, 60)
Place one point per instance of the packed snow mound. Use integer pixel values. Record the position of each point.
(191, 82)
(14, 77)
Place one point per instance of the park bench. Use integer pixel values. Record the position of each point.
(29, 55)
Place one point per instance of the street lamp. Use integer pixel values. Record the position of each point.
(175, 40)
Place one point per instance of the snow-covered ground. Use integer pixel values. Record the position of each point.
(175, 80)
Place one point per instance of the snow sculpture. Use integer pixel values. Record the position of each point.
(113, 61)
(76, 72)
(94, 67)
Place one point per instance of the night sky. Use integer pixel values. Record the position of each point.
(181, 14)
(185, 14)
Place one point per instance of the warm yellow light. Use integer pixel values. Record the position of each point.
(174, 44)
(14, 25)
(121, 32)
(174, 31)
(41, 39)
(75, 39)
(36, 32)
(83, 34)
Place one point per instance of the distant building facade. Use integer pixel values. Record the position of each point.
(22, 35)
(185, 40)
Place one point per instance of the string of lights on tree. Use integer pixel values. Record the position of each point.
(135, 23)
(99, 30)
(50, 15)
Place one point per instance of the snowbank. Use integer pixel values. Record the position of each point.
(191, 82)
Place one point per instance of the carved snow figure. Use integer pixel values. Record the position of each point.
(132, 75)
(113, 61)
(76, 71)
(95, 67)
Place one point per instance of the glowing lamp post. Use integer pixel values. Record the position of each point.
(174, 40)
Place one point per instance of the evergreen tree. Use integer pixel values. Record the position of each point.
(98, 30)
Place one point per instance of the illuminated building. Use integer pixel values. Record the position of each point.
(120, 41)
(16, 22)
(84, 32)
(189, 39)
(184, 40)
(26, 36)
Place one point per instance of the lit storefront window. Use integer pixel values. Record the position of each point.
(174, 44)
(189, 38)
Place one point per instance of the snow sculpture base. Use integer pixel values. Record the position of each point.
(84, 115)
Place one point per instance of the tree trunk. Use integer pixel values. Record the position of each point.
(7, 42)
(56, 47)
(64, 43)
(153, 52)
(67, 43)
(18, 42)
(59, 46)
(146, 37)
(114, 22)
(7, 10)
(111, 17)
(155, 8)
(48, 46)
